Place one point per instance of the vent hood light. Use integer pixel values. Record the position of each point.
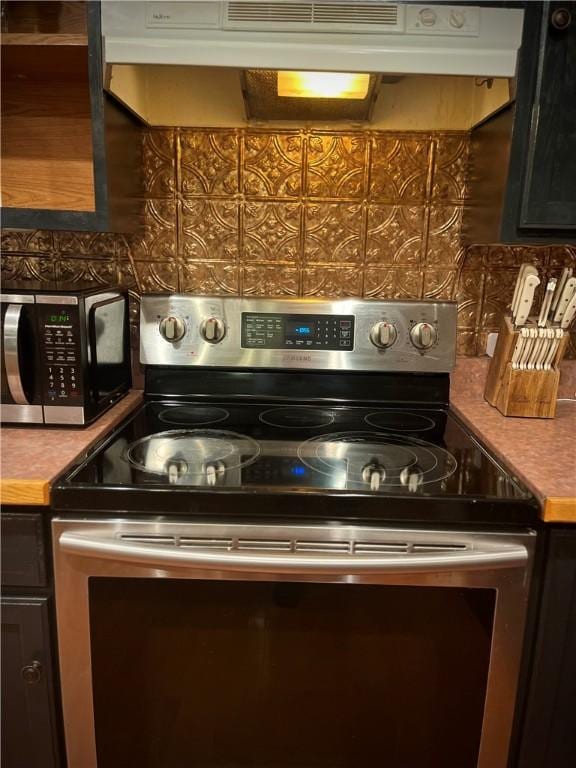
(323, 85)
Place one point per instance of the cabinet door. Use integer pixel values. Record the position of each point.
(549, 731)
(28, 712)
(548, 199)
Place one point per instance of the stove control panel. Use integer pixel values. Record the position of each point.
(285, 331)
(310, 334)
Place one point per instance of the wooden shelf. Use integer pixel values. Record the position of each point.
(40, 38)
(46, 141)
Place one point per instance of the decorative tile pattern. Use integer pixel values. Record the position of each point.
(295, 213)
(337, 165)
(450, 167)
(158, 241)
(272, 231)
(209, 163)
(98, 271)
(469, 294)
(444, 245)
(270, 280)
(395, 234)
(333, 233)
(332, 281)
(159, 159)
(216, 278)
(499, 287)
(87, 245)
(272, 164)
(17, 241)
(399, 168)
(157, 277)
(439, 284)
(27, 271)
(395, 283)
(209, 230)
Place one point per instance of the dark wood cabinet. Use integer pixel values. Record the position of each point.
(28, 713)
(31, 719)
(548, 733)
(71, 156)
(522, 180)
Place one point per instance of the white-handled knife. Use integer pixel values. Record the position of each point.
(517, 288)
(569, 314)
(564, 299)
(525, 299)
(525, 270)
(565, 275)
(528, 347)
(546, 302)
(519, 348)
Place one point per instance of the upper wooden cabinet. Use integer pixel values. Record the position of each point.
(70, 154)
(522, 186)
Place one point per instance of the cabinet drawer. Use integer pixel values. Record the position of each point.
(23, 550)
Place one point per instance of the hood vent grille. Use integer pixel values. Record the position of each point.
(269, 13)
(361, 13)
(314, 17)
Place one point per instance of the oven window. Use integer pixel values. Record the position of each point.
(230, 674)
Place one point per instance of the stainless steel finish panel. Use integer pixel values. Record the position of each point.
(11, 360)
(257, 554)
(192, 349)
(21, 414)
(16, 298)
(42, 298)
(63, 414)
(345, 554)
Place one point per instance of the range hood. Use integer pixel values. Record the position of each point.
(384, 39)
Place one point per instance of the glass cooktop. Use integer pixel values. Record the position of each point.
(255, 449)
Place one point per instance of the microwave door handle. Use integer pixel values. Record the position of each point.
(92, 341)
(481, 557)
(12, 320)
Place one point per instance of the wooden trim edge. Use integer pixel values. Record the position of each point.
(25, 492)
(559, 509)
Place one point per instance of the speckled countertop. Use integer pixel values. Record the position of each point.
(33, 457)
(541, 452)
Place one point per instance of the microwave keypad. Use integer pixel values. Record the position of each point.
(60, 334)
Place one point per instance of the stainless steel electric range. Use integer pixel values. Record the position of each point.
(294, 484)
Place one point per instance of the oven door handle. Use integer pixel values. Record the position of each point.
(12, 320)
(481, 557)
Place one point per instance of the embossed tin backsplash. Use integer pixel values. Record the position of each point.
(296, 213)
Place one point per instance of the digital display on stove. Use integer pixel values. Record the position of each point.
(309, 332)
(295, 328)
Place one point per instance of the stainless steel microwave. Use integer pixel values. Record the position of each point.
(65, 355)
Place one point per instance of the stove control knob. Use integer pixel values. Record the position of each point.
(423, 335)
(428, 17)
(412, 477)
(383, 335)
(213, 330)
(375, 474)
(172, 328)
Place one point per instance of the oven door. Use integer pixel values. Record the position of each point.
(253, 646)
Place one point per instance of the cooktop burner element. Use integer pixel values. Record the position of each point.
(199, 456)
(399, 421)
(377, 460)
(189, 415)
(294, 417)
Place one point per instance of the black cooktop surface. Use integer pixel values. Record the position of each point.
(422, 458)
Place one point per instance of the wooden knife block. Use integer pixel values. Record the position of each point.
(521, 393)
